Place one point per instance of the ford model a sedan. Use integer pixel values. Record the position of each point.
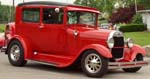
(64, 34)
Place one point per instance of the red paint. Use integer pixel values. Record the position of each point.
(56, 43)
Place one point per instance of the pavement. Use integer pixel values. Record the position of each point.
(35, 70)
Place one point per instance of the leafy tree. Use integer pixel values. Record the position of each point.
(118, 10)
(137, 19)
(144, 3)
(102, 5)
(5, 13)
(124, 15)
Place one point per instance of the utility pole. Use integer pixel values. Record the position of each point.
(135, 6)
(13, 6)
(23, 1)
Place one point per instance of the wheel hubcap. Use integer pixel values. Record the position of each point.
(93, 63)
(15, 52)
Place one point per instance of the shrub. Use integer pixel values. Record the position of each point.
(2, 28)
(133, 27)
(137, 19)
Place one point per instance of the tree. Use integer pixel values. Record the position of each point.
(144, 3)
(5, 13)
(124, 15)
(105, 6)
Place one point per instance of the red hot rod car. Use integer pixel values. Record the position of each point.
(63, 34)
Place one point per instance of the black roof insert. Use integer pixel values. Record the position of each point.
(44, 3)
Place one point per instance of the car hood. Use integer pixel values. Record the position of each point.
(95, 33)
(92, 33)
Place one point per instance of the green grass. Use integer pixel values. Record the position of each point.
(2, 27)
(141, 38)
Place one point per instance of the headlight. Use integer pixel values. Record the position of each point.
(110, 43)
(130, 42)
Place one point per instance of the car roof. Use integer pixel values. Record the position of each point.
(51, 3)
(45, 3)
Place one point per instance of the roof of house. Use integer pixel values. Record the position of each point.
(144, 11)
(44, 3)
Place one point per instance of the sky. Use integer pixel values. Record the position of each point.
(9, 2)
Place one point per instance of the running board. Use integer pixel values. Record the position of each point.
(45, 63)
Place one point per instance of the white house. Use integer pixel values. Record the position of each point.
(146, 17)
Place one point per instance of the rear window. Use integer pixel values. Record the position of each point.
(31, 15)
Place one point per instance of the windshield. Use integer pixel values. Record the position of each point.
(87, 18)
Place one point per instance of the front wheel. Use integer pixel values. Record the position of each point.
(132, 70)
(16, 53)
(93, 64)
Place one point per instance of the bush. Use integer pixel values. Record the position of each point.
(133, 27)
(137, 19)
(2, 28)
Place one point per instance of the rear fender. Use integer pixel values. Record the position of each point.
(99, 48)
(25, 45)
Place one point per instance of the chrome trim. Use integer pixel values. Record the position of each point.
(120, 65)
(127, 42)
(115, 34)
(3, 49)
(75, 33)
(108, 41)
(15, 52)
(93, 63)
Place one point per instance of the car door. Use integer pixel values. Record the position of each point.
(28, 27)
(44, 30)
(53, 31)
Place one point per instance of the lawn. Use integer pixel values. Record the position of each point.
(2, 27)
(141, 38)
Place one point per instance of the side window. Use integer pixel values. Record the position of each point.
(31, 15)
(50, 16)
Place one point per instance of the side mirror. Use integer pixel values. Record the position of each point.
(57, 10)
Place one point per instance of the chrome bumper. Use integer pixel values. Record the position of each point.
(120, 65)
(3, 49)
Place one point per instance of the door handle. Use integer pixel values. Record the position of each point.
(75, 33)
(41, 26)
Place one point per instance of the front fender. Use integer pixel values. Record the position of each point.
(99, 48)
(135, 50)
(131, 53)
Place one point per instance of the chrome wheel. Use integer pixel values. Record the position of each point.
(93, 63)
(15, 53)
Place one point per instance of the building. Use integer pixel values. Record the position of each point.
(146, 17)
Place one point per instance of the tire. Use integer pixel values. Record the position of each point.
(94, 68)
(132, 70)
(16, 54)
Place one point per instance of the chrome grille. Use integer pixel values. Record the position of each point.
(118, 49)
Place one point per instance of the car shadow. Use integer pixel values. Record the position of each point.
(44, 67)
(76, 71)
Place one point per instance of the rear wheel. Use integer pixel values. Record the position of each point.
(16, 53)
(93, 64)
(132, 70)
